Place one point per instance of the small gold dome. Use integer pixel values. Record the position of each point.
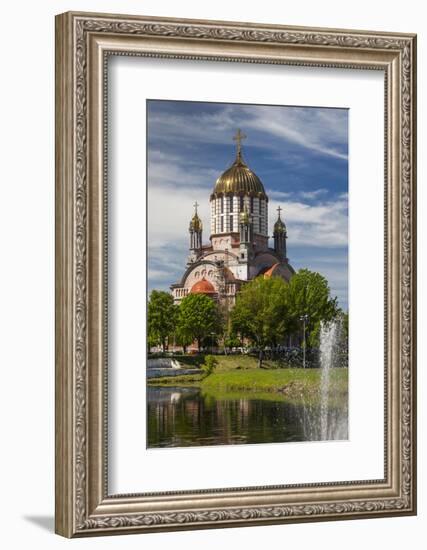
(196, 223)
(279, 226)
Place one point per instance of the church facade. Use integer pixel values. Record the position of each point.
(238, 250)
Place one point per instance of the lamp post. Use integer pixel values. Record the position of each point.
(304, 319)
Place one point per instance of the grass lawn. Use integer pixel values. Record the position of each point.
(240, 373)
(262, 379)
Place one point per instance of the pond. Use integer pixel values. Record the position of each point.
(188, 416)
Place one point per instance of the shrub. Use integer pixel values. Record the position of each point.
(209, 365)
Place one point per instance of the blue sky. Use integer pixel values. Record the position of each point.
(300, 155)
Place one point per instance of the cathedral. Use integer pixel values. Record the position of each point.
(238, 250)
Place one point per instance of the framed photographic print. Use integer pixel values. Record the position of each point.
(235, 274)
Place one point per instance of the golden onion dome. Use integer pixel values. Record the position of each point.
(239, 179)
(196, 223)
(279, 226)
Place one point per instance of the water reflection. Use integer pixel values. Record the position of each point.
(182, 417)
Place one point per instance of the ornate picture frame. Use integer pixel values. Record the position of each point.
(84, 42)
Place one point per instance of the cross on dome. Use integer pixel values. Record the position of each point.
(196, 222)
(279, 226)
(239, 137)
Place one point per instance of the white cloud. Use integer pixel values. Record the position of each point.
(171, 208)
(279, 195)
(164, 169)
(323, 131)
(319, 225)
(160, 275)
(313, 194)
(310, 195)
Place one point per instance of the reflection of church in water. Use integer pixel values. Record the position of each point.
(238, 249)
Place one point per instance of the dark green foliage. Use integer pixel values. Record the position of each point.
(309, 294)
(198, 318)
(162, 314)
(261, 312)
(267, 310)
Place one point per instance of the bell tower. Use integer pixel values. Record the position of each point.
(195, 229)
(280, 236)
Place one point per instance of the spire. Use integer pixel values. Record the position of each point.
(195, 230)
(279, 226)
(196, 223)
(239, 137)
(280, 236)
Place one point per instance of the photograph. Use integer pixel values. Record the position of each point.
(247, 273)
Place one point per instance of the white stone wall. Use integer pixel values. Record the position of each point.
(222, 242)
(241, 272)
(223, 208)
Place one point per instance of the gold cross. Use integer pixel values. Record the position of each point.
(239, 137)
(279, 210)
(196, 204)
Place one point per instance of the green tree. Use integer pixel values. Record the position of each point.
(232, 341)
(198, 318)
(261, 312)
(309, 294)
(161, 317)
(182, 337)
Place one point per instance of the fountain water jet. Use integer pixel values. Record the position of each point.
(332, 426)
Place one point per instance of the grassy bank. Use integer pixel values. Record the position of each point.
(272, 380)
(236, 374)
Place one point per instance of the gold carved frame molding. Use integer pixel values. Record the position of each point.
(83, 44)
